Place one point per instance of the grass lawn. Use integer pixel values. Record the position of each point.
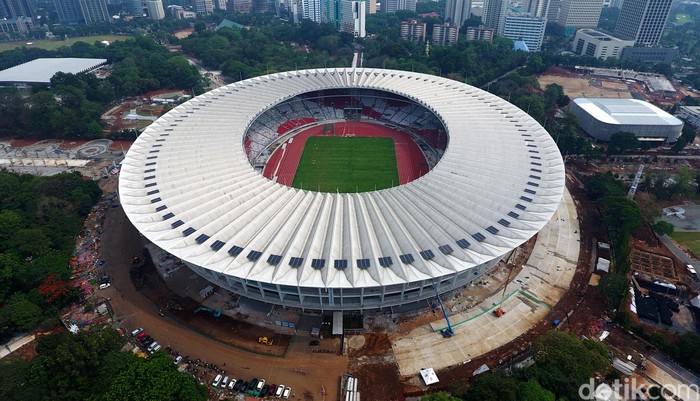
(690, 240)
(354, 164)
(55, 44)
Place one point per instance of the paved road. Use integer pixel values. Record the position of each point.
(680, 253)
(674, 369)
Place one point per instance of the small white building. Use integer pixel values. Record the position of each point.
(590, 42)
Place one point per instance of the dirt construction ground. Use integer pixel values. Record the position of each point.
(302, 370)
(587, 86)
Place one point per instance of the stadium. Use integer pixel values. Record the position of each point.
(342, 189)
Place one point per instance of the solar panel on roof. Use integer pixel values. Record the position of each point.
(406, 258)
(535, 164)
(153, 184)
(296, 262)
(535, 170)
(492, 230)
(151, 163)
(151, 157)
(463, 243)
(504, 222)
(177, 224)
(363, 263)
(340, 264)
(161, 207)
(318, 263)
(479, 237)
(217, 245)
(385, 261)
(168, 216)
(254, 255)
(533, 184)
(531, 192)
(535, 177)
(154, 200)
(274, 259)
(202, 238)
(155, 191)
(446, 249)
(519, 206)
(427, 254)
(526, 199)
(235, 250)
(150, 170)
(188, 231)
(513, 214)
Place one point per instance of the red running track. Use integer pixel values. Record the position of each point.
(410, 160)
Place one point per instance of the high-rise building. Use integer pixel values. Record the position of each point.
(155, 9)
(413, 31)
(480, 32)
(495, 14)
(553, 10)
(576, 14)
(391, 6)
(68, 11)
(94, 11)
(242, 6)
(17, 8)
(352, 17)
(204, 6)
(458, 11)
(16, 25)
(643, 20)
(527, 28)
(311, 9)
(445, 34)
(537, 8)
(220, 5)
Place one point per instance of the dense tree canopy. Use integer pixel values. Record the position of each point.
(39, 217)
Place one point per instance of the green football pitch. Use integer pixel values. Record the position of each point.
(347, 164)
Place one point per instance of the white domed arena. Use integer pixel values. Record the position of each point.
(215, 182)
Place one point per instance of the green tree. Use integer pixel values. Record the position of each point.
(492, 387)
(563, 362)
(154, 379)
(622, 142)
(439, 396)
(531, 390)
(23, 313)
(614, 287)
(662, 227)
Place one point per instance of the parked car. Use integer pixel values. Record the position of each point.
(135, 332)
(314, 343)
(259, 385)
(280, 390)
(177, 359)
(216, 381)
(152, 345)
(287, 392)
(271, 390)
(244, 387)
(264, 390)
(239, 384)
(155, 348)
(232, 384)
(224, 382)
(146, 341)
(141, 336)
(104, 286)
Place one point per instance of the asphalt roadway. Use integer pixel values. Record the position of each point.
(120, 242)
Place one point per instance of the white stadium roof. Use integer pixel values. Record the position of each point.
(186, 184)
(626, 112)
(42, 70)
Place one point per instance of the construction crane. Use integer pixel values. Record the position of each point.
(635, 182)
(448, 332)
(498, 312)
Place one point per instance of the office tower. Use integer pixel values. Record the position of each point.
(311, 9)
(352, 18)
(527, 28)
(643, 21)
(16, 9)
(458, 11)
(413, 31)
(537, 8)
(94, 11)
(242, 6)
(576, 14)
(553, 10)
(220, 5)
(155, 9)
(391, 6)
(590, 42)
(495, 14)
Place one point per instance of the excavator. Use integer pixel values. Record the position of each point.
(265, 340)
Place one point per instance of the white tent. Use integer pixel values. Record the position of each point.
(429, 376)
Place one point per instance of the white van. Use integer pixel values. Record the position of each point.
(224, 382)
(152, 346)
(156, 348)
(216, 381)
(287, 392)
(691, 269)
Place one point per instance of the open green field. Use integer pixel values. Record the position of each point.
(690, 240)
(342, 164)
(55, 44)
(682, 19)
